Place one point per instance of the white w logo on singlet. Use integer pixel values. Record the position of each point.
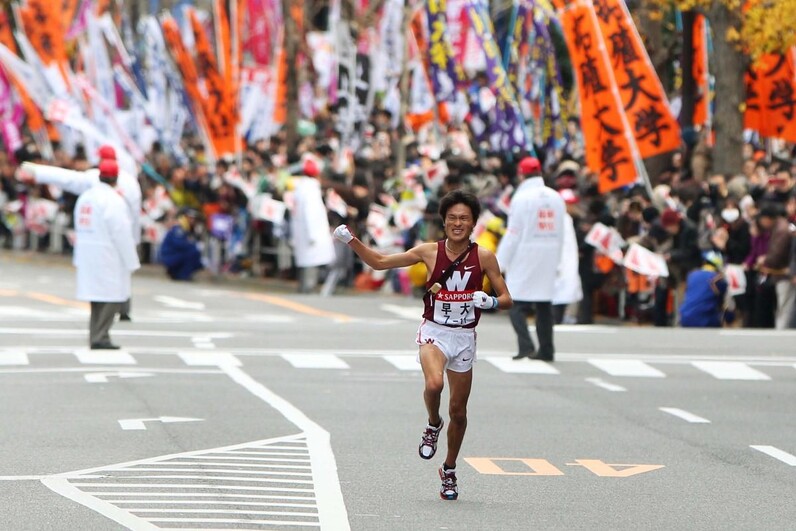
(457, 282)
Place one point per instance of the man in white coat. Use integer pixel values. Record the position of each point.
(529, 255)
(311, 236)
(105, 255)
(77, 182)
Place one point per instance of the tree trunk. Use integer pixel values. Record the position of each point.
(728, 65)
(292, 42)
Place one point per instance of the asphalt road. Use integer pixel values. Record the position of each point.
(241, 405)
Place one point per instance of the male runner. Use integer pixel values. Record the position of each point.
(446, 336)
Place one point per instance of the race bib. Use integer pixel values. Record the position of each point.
(454, 308)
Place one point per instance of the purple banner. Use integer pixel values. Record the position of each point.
(509, 127)
(446, 74)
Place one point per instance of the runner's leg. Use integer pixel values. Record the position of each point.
(432, 360)
(460, 385)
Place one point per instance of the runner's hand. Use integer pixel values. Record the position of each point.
(483, 301)
(343, 234)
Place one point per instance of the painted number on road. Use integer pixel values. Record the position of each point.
(543, 467)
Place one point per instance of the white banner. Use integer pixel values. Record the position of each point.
(645, 262)
(606, 240)
(736, 279)
(377, 225)
(269, 209)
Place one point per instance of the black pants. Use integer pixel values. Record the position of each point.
(102, 316)
(544, 327)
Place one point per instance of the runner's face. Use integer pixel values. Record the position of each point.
(459, 223)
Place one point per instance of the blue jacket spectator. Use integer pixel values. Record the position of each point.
(704, 294)
(180, 252)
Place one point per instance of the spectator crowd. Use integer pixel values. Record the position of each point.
(268, 213)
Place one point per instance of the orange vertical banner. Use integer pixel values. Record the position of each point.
(32, 113)
(610, 150)
(777, 85)
(701, 73)
(219, 104)
(652, 123)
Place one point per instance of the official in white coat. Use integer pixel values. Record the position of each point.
(568, 289)
(105, 255)
(311, 236)
(529, 255)
(77, 182)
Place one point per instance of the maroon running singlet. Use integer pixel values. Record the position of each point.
(453, 304)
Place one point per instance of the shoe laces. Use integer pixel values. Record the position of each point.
(448, 480)
(430, 436)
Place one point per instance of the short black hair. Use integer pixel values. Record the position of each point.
(460, 197)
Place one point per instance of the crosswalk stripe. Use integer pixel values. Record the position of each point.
(13, 357)
(637, 368)
(522, 366)
(776, 453)
(209, 358)
(104, 357)
(730, 370)
(315, 361)
(404, 363)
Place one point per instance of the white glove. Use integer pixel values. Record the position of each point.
(483, 301)
(343, 234)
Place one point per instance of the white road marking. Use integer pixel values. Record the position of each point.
(522, 366)
(209, 502)
(104, 357)
(758, 333)
(66, 332)
(138, 424)
(605, 385)
(685, 415)
(635, 368)
(14, 357)
(102, 377)
(173, 302)
(122, 517)
(404, 363)
(410, 313)
(332, 512)
(776, 453)
(209, 358)
(315, 361)
(284, 523)
(730, 370)
(583, 329)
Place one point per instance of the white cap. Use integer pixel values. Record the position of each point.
(730, 214)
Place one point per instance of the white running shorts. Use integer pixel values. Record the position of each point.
(457, 344)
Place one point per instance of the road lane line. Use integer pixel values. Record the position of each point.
(64, 488)
(298, 307)
(635, 368)
(730, 370)
(209, 502)
(332, 512)
(283, 523)
(202, 495)
(58, 301)
(104, 357)
(685, 415)
(776, 453)
(605, 385)
(315, 361)
(208, 358)
(187, 486)
(522, 366)
(404, 363)
(13, 357)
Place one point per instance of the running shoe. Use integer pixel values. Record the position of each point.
(428, 444)
(449, 490)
